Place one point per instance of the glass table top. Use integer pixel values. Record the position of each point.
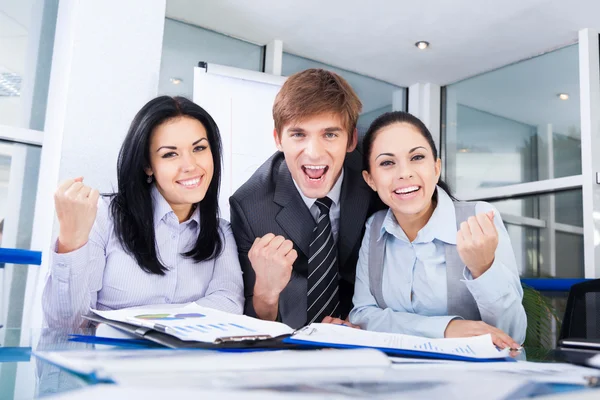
(23, 376)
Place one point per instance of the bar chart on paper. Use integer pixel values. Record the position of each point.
(191, 322)
(193, 326)
(461, 350)
(214, 328)
(478, 347)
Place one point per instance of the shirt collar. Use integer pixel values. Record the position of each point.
(334, 194)
(441, 225)
(163, 210)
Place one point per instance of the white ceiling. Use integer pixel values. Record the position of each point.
(377, 37)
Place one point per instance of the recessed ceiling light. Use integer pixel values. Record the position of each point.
(422, 45)
(563, 96)
(176, 81)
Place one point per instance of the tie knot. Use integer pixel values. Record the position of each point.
(324, 204)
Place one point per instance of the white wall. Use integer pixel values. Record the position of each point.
(10, 111)
(100, 78)
(185, 45)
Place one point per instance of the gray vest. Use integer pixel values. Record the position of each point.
(460, 300)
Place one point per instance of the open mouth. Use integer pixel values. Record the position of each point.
(407, 192)
(191, 183)
(315, 173)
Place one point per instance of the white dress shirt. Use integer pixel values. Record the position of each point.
(334, 212)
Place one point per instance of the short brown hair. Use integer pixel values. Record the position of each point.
(313, 92)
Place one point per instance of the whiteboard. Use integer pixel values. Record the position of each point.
(241, 102)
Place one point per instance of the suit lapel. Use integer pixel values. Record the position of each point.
(354, 206)
(294, 217)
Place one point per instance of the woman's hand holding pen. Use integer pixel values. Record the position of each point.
(76, 207)
(462, 328)
(476, 243)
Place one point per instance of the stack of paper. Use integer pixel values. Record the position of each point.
(115, 365)
(193, 323)
(473, 348)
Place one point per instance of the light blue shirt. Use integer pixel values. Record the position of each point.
(414, 279)
(102, 275)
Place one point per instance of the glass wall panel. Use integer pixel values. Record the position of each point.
(26, 42)
(531, 220)
(19, 168)
(376, 96)
(15, 18)
(512, 125)
(184, 45)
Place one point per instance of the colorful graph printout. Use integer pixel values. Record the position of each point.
(192, 322)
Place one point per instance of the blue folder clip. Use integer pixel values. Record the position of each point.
(134, 343)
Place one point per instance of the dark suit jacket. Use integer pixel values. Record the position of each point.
(270, 203)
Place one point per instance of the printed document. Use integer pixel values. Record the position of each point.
(473, 347)
(192, 322)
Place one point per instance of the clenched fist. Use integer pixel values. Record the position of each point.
(272, 258)
(476, 243)
(76, 207)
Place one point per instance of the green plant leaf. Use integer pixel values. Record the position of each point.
(540, 317)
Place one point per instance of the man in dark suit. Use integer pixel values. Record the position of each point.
(299, 220)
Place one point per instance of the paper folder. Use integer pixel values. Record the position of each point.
(476, 349)
(193, 326)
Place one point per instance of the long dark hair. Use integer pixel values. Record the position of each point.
(396, 117)
(131, 206)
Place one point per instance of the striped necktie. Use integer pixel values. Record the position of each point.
(322, 287)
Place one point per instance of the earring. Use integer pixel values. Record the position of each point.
(149, 179)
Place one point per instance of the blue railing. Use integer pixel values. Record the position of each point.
(18, 256)
(551, 284)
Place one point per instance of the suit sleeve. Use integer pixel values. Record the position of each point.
(244, 237)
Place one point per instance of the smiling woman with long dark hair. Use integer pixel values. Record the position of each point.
(430, 265)
(159, 238)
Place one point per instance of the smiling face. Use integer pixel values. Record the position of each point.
(181, 163)
(314, 150)
(403, 171)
